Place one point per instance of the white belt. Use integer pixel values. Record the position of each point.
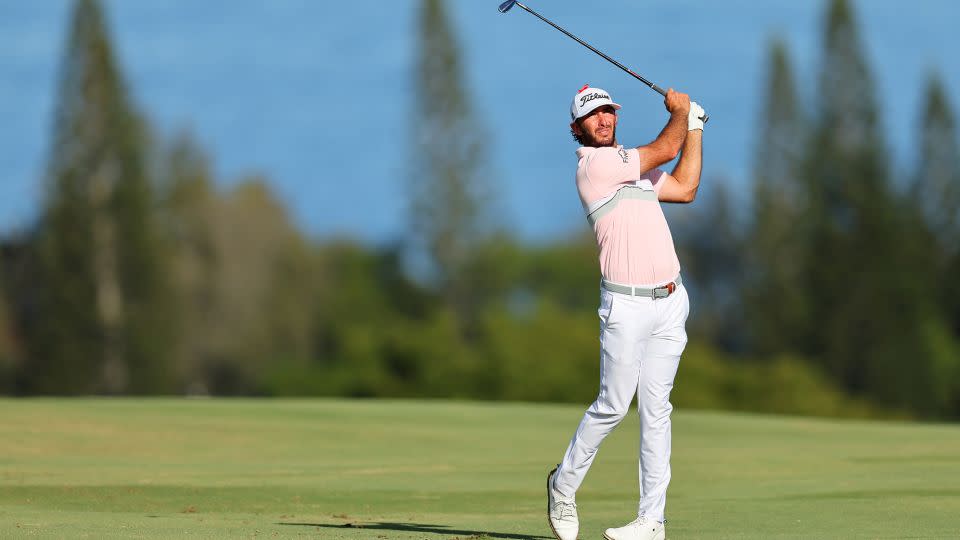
(662, 291)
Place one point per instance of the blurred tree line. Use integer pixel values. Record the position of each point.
(831, 295)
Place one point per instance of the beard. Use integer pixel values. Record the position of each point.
(609, 140)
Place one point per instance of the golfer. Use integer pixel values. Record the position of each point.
(643, 304)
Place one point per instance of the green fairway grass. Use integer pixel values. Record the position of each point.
(141, 468)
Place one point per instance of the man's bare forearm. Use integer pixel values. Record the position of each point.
(667, 144)
(670, 140)
(673, 135)
(687, 171)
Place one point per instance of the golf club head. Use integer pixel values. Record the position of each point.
(506, 6)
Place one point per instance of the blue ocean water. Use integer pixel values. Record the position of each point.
(317, 95)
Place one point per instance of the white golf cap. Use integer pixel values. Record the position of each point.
(588, 99)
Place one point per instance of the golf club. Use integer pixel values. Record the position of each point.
(508, 5)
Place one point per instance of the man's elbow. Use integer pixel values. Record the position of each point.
(672, 152)
(667, 151)
(690, 195)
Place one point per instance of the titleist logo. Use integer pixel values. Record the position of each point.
(591, 97)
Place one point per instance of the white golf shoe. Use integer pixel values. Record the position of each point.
(641, 528)
(561, 512)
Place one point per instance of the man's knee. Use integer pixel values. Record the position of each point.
(656, 410)
(608, 411)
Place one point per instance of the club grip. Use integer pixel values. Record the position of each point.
(662, 92)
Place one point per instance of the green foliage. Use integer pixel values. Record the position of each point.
(781, 384)
(188, 210)
(401, 341)
(101, 318)
(836, 267)
(835, 295)
(935, 198)
(449, 191)
(935, 195)
(829, 232)
(711, 247)
(774, 248)
(536, 340)
(243, 274)
(7, 350)
(936, 188)
(549, 353)
(143, 271)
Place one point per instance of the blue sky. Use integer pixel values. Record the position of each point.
(316, 95)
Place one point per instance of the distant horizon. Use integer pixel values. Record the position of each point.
(261, 87)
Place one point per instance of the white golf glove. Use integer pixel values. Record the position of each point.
(694, 120)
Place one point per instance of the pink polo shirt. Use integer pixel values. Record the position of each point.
(636, 247)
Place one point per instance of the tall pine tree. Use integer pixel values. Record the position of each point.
(937, 184)
(711, 244)
(871, 306)
(102, 320)
(449, 190)
(775, 233)
(936, 193)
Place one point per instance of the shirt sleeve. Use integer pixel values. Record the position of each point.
(609, 168)
(655, 176)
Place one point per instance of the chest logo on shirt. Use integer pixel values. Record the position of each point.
(624, 155)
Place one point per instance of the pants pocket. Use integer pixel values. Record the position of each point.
(606, 306)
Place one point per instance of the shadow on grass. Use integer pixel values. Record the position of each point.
(422, 528)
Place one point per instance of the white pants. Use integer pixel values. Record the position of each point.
(641, 340)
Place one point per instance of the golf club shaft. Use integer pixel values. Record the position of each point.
(640, 78)
(592, 48)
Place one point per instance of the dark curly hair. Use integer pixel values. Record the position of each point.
(573, 133)
(576, 137)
